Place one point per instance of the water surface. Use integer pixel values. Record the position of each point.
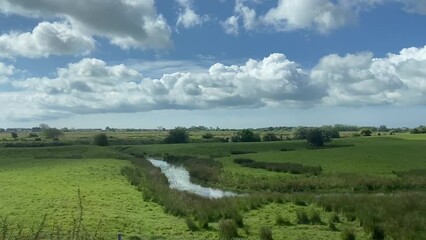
(178, 178)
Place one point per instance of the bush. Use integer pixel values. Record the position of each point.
(378, 233)
(207, 136)
(269, 137)
(177, 135)
(14, 135)
(52, 133)
(315, 137)
(314, 217)
(101, 140)
(265, 233)
(281, 221)
(302, 217)
(246, 135)
(191, 224)
(32, 135)
(348, 234)
(365, 132)
(228, 229)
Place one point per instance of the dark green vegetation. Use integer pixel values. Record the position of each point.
(362, 188)
(101, 139)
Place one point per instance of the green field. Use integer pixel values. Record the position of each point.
(43, 181)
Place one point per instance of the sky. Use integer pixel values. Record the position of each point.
(216, 63)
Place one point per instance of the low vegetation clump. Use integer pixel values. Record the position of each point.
(52, 133)
(281, 221)
(293, 168)
(246, 135)
(348, 234)
(228, 229)
(266, 233)
(101, 139)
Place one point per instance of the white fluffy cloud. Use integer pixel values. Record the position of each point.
(93, 86)
(322, 16)
(126, 23)
(46, 39)
(5, 72)
(360, 79)
(187, 16)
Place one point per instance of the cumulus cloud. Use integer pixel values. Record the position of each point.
(5, 72)
(187, 16)
(135, 23)
(360, 79)
(322, 16)
(92, 86)
(46, 39)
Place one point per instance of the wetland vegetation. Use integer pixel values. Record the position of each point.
(370, 187)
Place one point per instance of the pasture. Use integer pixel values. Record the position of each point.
(44, 182)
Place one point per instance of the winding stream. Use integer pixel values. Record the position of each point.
(178, 178)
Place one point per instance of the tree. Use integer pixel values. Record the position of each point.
(14, 135)
(246, 135)
(207, 135)
(177, 135)
(382, 128)
(315, 137)
(329, 133)
(52, 133)
(269, 137)
(300, 133)
(365, 132)
(101, 139)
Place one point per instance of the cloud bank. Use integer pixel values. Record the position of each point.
(93, 86)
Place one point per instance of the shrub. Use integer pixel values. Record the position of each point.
(177, 135)
(265, 233)
(14, 135)
(314, 217)
(348, 234)
(302, 217)
(315, 137)
(332, 226)
(365, 132)
(32, 135)
(246, 135)
(101, 139)
(334, 218)
(191, 224)
(52, 133)
(207, 135)
(281, 221)
(228, 229)
(269, 137)
(378, 233)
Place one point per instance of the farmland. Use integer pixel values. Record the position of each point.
(109, 190)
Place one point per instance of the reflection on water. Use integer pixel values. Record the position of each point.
(179, 179)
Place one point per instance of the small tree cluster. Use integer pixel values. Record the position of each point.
(52, 133)
(269, 137)
(177, 135)
(101, 139)
(315, 137)
(365, 132)
(246, 135)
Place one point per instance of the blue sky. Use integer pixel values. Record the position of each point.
(226, 63)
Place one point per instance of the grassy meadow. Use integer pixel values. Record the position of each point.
(368, 187)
